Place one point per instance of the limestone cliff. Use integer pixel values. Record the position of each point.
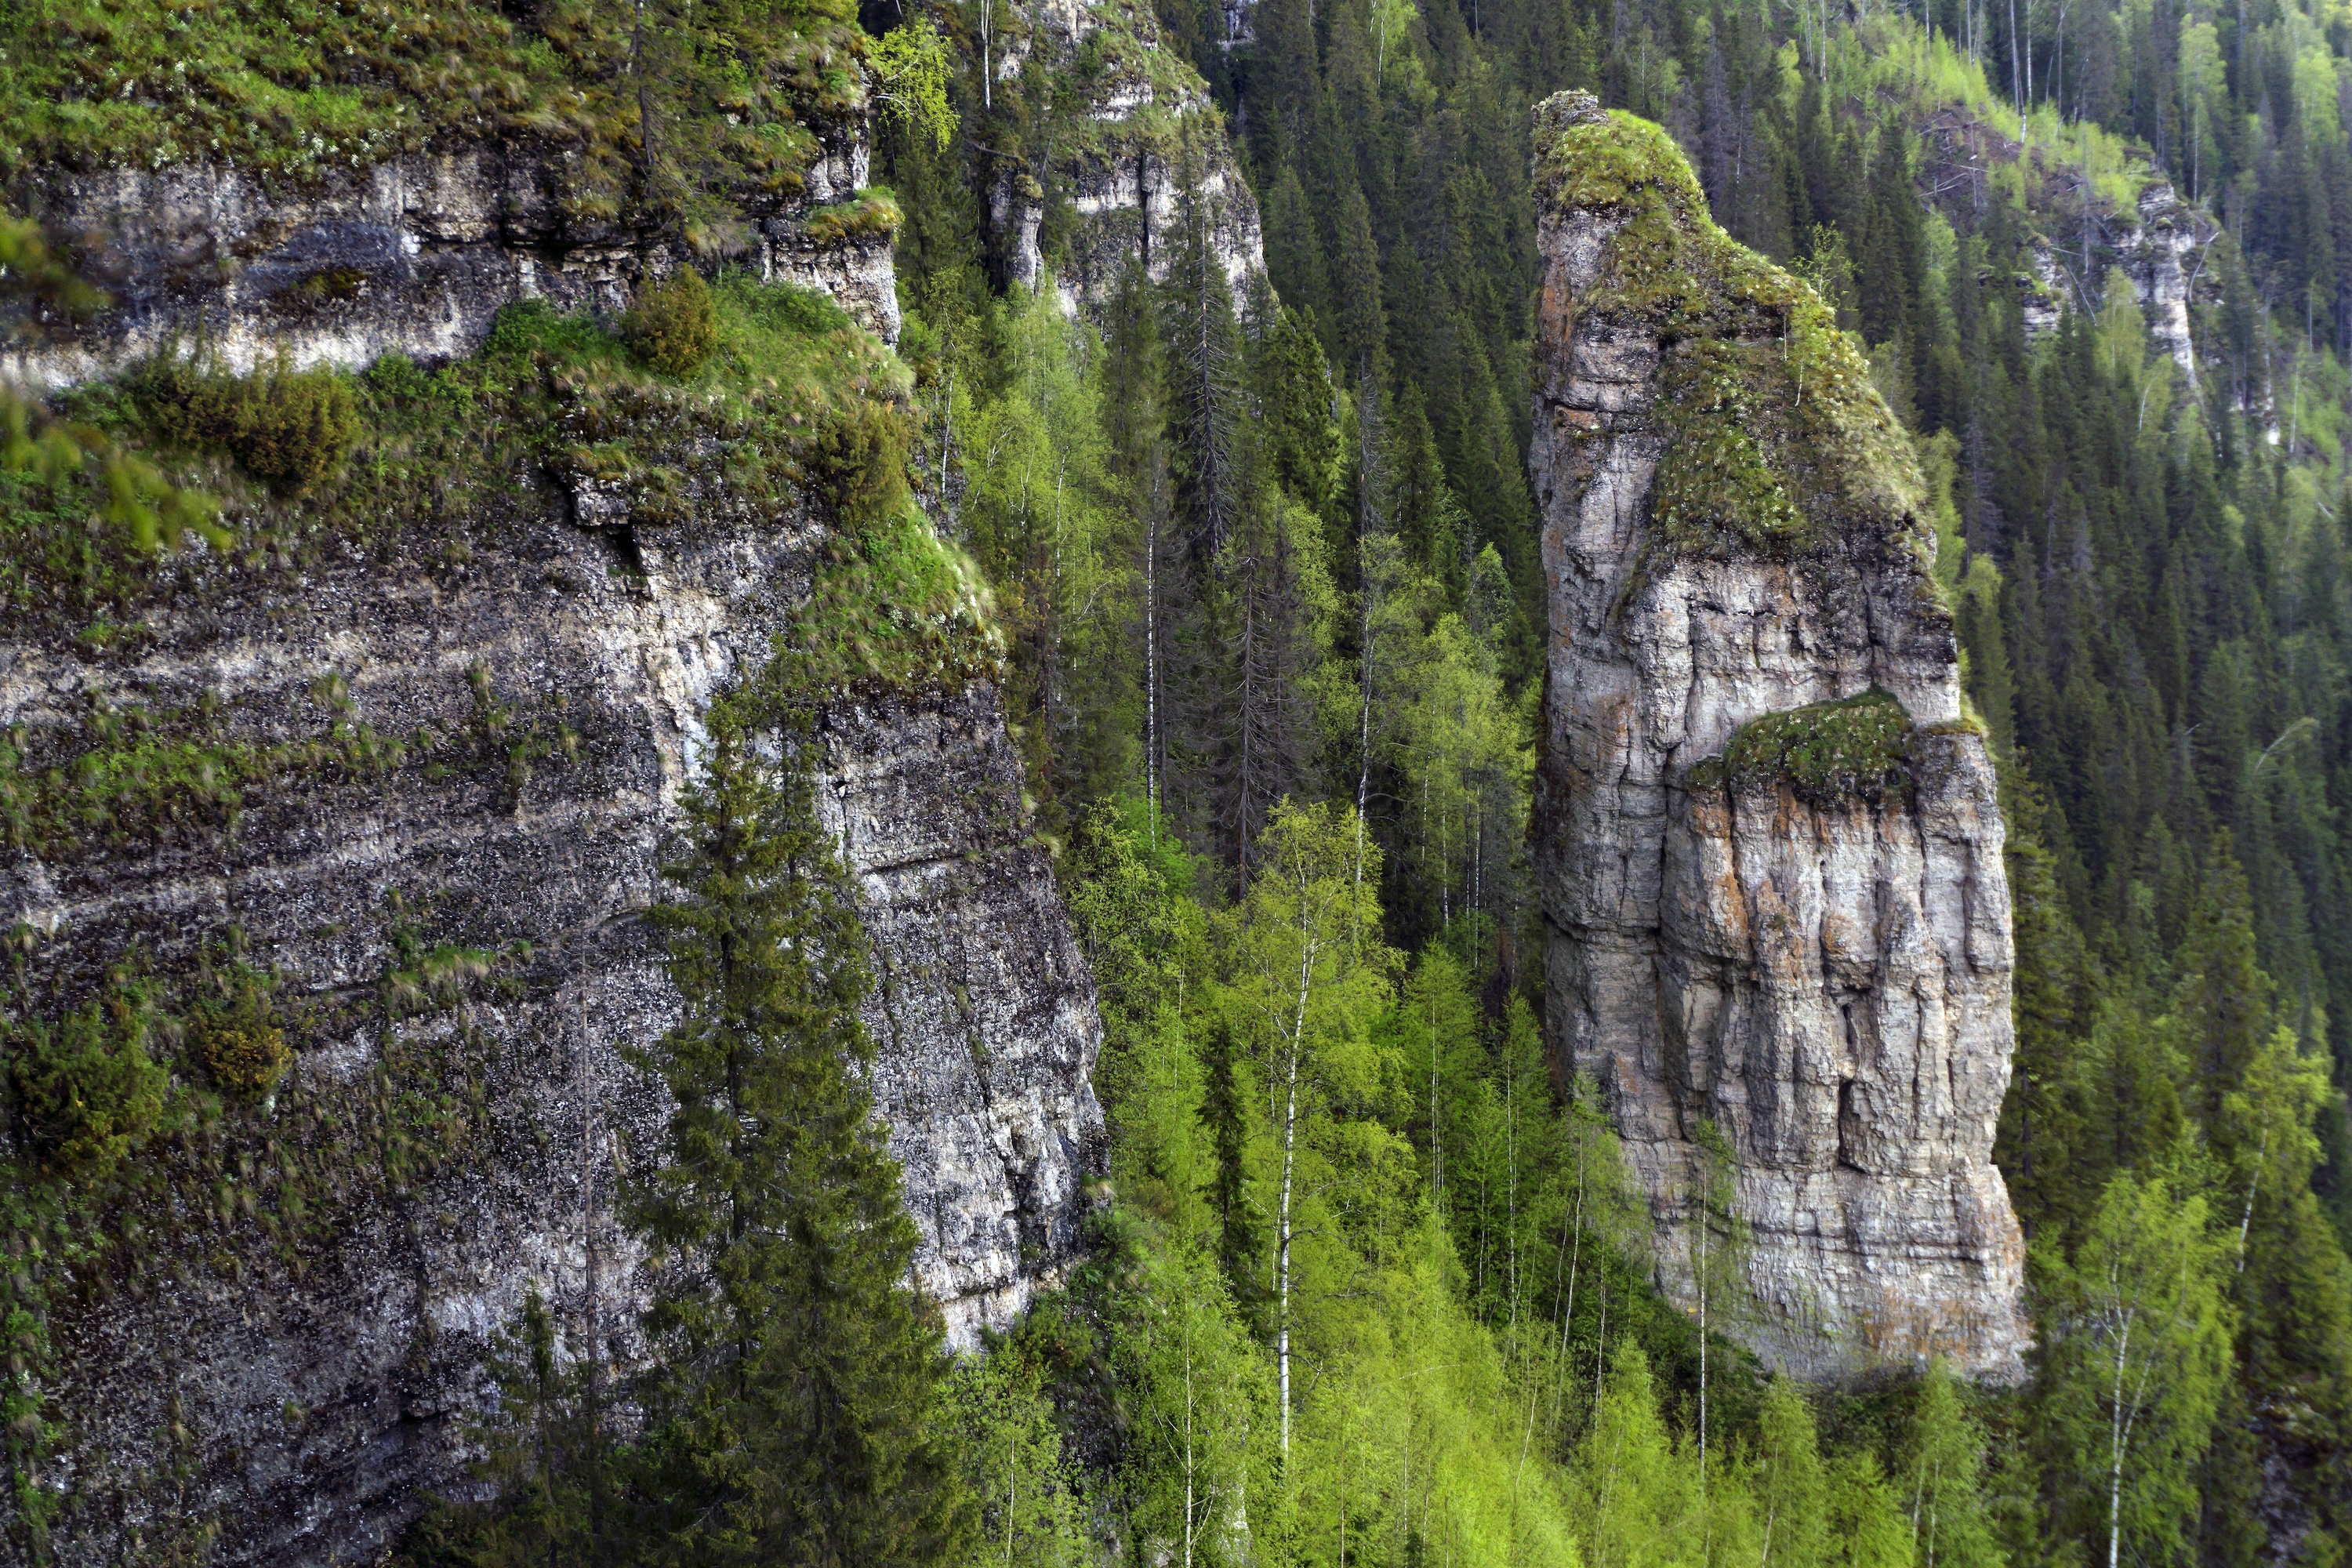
(405, 751)
(1129, 125)
(415, 253)
(1770, 847)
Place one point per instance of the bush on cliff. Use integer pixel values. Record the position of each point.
(288, 429)
(87, 1091)
(673, 325)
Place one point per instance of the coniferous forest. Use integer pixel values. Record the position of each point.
(1278, 544)
(1368, 1283)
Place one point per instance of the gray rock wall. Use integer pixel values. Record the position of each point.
(1828, 985)
(287, 1359)
(417, 254)
(317, 1381)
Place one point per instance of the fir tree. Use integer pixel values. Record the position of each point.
(790, 1417)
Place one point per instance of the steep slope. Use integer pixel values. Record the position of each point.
(387, 782)
(1770, 849)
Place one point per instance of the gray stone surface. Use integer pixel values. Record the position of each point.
(416, 254)
(1829, 986)
(284, 1387)
(984, 1009)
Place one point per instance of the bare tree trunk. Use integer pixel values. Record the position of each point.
(1151, 674)
(2118, 1434)
(1307, 946)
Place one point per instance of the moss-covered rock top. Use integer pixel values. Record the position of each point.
(1830, 751)
(298, 88)
(790, 406)
(1776, 434)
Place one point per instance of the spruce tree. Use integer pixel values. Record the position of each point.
(790, 1416)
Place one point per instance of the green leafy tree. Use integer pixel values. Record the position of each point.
(1792, 1488)
(544, 1454)
(1309, 968)
(2140, 1355)
(911, 71)
(1013, 1466)
(1951, 1523)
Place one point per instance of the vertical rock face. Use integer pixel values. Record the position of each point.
(416, 254)
(1770, 850)
(318, 1375)
(476, 730)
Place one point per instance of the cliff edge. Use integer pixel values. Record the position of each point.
(1770, 840)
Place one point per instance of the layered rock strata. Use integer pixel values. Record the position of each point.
(476, 723)
(1770, 849)
(468, 935)
(417, 254)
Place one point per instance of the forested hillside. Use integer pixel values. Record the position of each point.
(1277, 541)
(1214, 393)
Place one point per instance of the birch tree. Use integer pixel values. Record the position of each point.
(1310, 971)
(2140, 1355)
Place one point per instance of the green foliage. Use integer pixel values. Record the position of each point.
(677, 113)
(871, 213)
(673, 324)
(796, 1368)
(2139, 1358)
(544, 1456)
(1612, 161)
(289, 428)
(1010, 1454)
(1829, 752)
(911, 68)
(1944, 1465)
(235, 1036)
(858, 465)
(85, 1090)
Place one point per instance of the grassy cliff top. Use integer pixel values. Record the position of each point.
(784, 403)
(299, 87)
(1776, 435)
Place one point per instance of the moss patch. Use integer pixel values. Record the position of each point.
(1828, 752)
(450, 457)
(871, 214)
(301, 88)
(123, 1174)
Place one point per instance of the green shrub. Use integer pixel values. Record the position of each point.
(86, 1088)
(242, 1048)
(872, 213)
(293, 426)
(534, 326)
(673, 325)
(858, 464)
(288, 427)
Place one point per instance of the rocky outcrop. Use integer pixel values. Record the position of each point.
(463, 934)
(1769, 846)
(2158, 246)
(422, 770)
(1134, 126)
(417, 254)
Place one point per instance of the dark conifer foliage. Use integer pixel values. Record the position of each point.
(788, 1411)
